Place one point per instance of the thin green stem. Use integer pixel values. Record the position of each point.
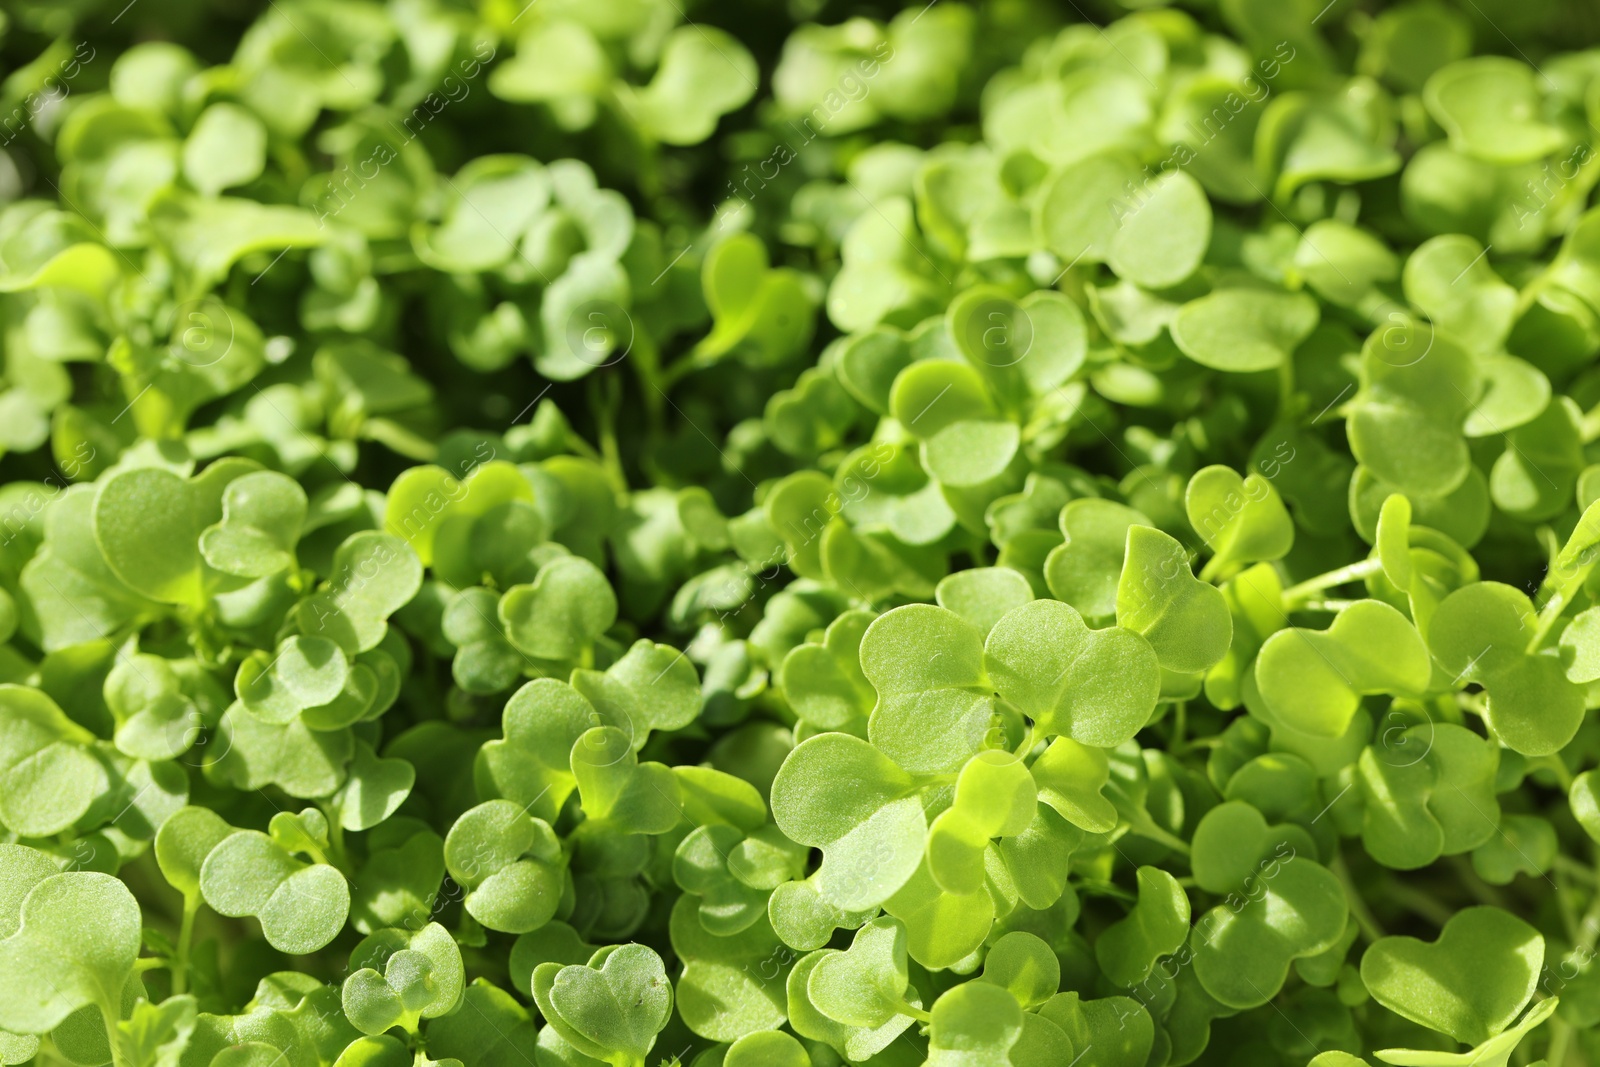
(1418, 902)
(1573, 869)
(1285, 389)
(603, 402)
(1371, 929)
(1334, 606)
(1551, 613)
(907, 1008)
(1295, 594)
(1555, 766)
(1145, 826)
(180, 964)
(681, 368)
(110, 1016)
(1553, 608)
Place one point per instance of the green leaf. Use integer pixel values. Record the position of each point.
(1480, 633)
(1085, 569)
(1097, 687)
(561, 613)
(1490, 108)
(301, 906)
(1163, 238)
(397, 978)
(704, 74)
(1471, 983)
(145, 522)
(1313, 680)
(227, 147)
(1244, 329)
(838, 793)
(612, 1008)
(50, 777)
(72, 940)
(1157, 926)
(1186, 621)
(510, 863)
(1241, 519)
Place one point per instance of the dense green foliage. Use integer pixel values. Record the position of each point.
(634, 532)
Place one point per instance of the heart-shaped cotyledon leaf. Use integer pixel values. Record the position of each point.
(730, 985)
(1313, 680)
(734, 874)
(374, 787)
(155, 718)
(995, 797)
(70, 941)
(1097, 687)
(1085, 568)
(1281, 905)
(262, 515)
(1241, 519)
(1164, 234)
(1025, 966)
(1427, 790)
(423, 499)
(146, 524)
(866, 985)
(852, 1042)
(301, 906)
(1489, 105)
(1021, 348)
(1157, 926)
(840, 794)
(933, 709)
(620, 793)
(1244, 329)
(610, 1009)
(531, 764)
(568, 605)
(1418, 385)
(652, 687)
(304, 672)
(373, 576)
(1186, 621)
(48, 776)
(1471, 983)
(982, 595)
(977, 1022)
(1482, 633)
(398, 977)
(510, 863)
(823, 680)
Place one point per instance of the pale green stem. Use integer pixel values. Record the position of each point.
(1573, 869)
(1554, 765)
(110, 1016)
(1353, 573)
(605, 418)
(1551, 612)
(1033, 738)
(1334, 606)
(1418, 903)
(1145, 826)
(180, 966)
(1371, 929)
